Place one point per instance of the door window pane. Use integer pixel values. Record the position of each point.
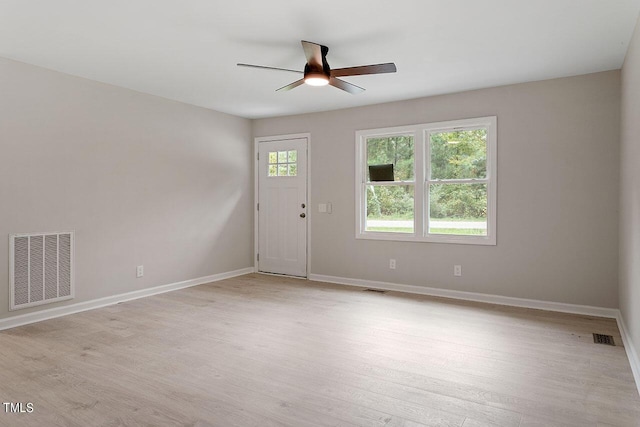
(283, 163)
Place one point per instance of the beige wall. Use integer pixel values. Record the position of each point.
(630, 192)
(144, 180)
(141, 179)
(558, 156)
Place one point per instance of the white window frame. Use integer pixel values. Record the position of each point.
(422, 162)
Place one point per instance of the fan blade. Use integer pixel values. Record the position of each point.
(389, 67)
(347, 87)
(268, 68)
(313, 52)
(291, 85)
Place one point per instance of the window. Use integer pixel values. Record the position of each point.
(390, 204)
(433, 182)
(283, 163)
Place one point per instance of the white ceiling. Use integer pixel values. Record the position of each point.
(187, 50)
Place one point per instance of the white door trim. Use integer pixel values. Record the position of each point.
(256, 193)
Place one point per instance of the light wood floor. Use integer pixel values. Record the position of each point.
(268, 351)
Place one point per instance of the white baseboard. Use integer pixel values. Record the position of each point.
(473, 296)
(37, 316)
(632, 355)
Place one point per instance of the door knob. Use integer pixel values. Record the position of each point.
(302, 215)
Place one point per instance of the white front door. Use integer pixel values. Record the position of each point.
(282, 208)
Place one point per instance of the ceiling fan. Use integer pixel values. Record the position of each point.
(318, 73)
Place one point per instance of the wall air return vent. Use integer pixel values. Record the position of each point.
(40, 268)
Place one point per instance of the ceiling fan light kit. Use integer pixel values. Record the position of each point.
(316, 80)
(318, 73)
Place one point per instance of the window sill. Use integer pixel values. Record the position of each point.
(437, 238)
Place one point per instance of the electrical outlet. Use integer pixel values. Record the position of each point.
(457, 270)
(392, 264)
(140, 271)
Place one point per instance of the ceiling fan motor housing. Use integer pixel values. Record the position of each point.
(311, 70)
